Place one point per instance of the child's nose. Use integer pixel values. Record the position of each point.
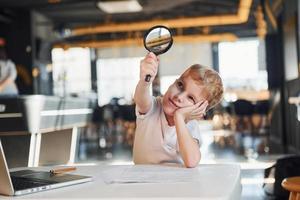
(179, 97)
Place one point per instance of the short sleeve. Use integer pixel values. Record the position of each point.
(153, 107)
(194, 130)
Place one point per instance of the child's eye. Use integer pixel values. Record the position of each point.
(179, 84)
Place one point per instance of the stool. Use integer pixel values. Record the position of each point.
(292, 184)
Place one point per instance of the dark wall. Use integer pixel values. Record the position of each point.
(17, 33)
(274, 60)
(292, 79)
(275, 69)
(28, 51)
(292, 124)
(284, 78)
(42, 45)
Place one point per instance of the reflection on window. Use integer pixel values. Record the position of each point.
(242, 64)
(71, 71)
(117, 78)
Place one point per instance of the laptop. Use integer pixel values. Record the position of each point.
(30, 181)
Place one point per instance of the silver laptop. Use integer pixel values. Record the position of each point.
(30, 181)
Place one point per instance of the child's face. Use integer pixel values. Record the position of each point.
(182, 93)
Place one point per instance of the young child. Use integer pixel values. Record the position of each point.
(167, 129)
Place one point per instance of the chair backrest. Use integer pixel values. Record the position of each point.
(243, 107)
(262, 107)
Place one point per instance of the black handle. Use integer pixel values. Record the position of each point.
(147, 78)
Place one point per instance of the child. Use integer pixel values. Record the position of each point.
(167, 128)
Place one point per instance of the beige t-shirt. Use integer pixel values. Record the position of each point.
(155, 141)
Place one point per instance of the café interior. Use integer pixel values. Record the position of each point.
(78, 62)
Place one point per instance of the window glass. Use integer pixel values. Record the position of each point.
(242, 64)
(165, 82)
(117, 78)
(71, 71)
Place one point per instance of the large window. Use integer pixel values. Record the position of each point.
(166, 81)
(71, 71)
(117, 78)
(242, 64)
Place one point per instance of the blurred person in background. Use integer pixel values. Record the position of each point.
(8, 73)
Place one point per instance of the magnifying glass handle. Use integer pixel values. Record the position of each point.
(147, 78)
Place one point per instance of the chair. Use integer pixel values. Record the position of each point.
(292, 184)
(243, 109)
(261, 124)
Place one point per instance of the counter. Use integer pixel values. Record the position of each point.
(41, 130)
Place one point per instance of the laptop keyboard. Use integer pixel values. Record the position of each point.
(22, 183)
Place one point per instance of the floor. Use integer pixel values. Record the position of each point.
(213, 150)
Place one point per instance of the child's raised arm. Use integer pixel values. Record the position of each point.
(142, 97)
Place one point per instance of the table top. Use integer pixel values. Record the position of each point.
(209, 181)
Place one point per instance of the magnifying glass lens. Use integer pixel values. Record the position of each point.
(157, 40)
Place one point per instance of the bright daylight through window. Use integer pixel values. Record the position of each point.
(71, 71)
(242, 64)
(117, 78)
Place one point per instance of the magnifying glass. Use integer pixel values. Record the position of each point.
(158, 40)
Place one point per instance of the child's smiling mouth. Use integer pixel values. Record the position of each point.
(173, 104)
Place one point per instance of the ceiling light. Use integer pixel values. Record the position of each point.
(120, 6)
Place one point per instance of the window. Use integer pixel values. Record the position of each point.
(242, 64)
(117, 78)
(71, 71)
(166, 81)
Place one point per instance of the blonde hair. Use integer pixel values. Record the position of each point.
(210, 79)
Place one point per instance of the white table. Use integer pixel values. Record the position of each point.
(216, 181)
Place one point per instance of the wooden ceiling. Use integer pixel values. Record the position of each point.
(86, 22)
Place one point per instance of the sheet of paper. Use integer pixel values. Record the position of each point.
(150, 174)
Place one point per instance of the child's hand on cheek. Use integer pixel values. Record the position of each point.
(196, 111)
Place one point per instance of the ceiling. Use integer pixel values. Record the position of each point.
(84, 15)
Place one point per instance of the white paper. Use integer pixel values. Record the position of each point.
(150, 174)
